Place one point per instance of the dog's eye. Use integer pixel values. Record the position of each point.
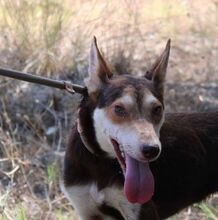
(120, 111)
(157, 110)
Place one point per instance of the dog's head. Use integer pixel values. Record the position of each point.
(127, 119)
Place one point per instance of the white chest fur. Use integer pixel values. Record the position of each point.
(87, 199)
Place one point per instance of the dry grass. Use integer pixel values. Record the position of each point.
(52, 37)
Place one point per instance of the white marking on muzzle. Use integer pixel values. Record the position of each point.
(131, 136)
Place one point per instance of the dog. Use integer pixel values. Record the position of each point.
(129, 160)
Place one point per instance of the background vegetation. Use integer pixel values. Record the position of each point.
(52, 38)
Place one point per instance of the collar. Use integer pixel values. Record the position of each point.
(83, 137)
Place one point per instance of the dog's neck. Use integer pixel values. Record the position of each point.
(84, 137)
(86, 129)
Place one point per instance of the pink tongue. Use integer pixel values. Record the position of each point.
(139, 181)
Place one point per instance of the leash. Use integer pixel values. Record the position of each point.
(64, 85)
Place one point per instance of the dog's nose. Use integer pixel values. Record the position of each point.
(150, 152)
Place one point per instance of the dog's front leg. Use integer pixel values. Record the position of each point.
(115, 198)
(148, 211)
(141, 212)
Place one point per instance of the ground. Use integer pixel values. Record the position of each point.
(35, 120)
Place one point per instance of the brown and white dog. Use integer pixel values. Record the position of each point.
(126, 159)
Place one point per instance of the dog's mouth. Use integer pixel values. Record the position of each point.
(139, 180)
(120, 154)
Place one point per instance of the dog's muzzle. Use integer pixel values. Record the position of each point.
(150, 152)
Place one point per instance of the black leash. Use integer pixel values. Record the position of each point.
(65, 85)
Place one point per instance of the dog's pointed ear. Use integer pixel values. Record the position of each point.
(158, 71)
(98, 72)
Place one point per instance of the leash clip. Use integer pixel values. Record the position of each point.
(69, 87)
